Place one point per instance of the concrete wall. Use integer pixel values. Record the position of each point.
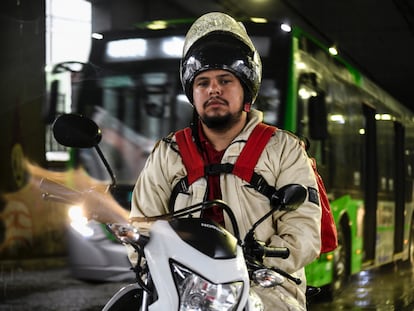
(22, 88)
(29, 227)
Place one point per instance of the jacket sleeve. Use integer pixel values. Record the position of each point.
(297, 230)
(154, 185)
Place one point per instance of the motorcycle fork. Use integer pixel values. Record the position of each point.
(145, 294)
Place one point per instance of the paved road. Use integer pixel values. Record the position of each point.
(387, 289)
(53, 290)
(390, 288)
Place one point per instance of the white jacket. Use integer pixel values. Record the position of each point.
(283, 161)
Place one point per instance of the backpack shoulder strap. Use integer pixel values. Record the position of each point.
(192, 159)
(243, 168)
(193, 163)
(247, 160)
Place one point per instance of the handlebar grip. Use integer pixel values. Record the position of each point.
(282, 252)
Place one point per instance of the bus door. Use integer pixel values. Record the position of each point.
(390, 199)
(400, 188)
(370, 183)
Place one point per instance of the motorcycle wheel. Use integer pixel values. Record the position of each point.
(129, 301)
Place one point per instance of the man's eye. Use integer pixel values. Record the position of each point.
(202, 83)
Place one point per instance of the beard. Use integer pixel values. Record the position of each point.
(221, 123)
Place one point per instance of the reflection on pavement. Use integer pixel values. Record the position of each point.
(386, 288)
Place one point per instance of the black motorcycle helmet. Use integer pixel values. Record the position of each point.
(217, 41)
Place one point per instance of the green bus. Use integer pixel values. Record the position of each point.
(362, 138)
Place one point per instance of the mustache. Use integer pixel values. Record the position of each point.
(215, 99)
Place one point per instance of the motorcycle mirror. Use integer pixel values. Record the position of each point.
(74, 130)
(77, 131)
(289, 197)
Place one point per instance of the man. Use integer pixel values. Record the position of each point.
(221, 75)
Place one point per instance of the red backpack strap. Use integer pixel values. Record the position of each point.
(192, 159)
(247, 160)
(243, 168)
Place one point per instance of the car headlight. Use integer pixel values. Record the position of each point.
(79, 222)
(196, 293)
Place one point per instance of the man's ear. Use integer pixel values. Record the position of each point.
(247, 107)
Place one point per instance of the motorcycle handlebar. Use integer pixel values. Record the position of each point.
(128, 234)
(282, 252)
(258, 249)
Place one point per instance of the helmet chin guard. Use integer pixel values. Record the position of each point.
(217, 41)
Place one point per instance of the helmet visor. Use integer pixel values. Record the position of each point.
(222, 51)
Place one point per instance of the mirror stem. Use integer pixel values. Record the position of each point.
(107, 166)
(250, 232)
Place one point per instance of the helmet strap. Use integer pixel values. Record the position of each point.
(247, 107)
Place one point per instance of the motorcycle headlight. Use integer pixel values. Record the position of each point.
(198, 294)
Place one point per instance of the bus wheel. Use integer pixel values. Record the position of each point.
(340, 263)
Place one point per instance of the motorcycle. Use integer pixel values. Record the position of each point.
(186, 262)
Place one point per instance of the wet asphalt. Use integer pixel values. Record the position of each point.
(388, 288)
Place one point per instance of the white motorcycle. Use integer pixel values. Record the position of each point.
(186, 262)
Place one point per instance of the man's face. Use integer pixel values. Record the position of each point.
(218, 98)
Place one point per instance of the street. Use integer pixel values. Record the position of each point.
(52, 290)
(388, 288)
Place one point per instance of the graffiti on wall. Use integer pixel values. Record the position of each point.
(33, 225)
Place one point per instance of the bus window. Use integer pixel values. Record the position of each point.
(312, 116)
(317, 117)
(146, 103)
(346, 131)
(268, 101)
(134, 111)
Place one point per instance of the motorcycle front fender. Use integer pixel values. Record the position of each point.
(127, 298)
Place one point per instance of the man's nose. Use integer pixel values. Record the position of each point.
(214, 88)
